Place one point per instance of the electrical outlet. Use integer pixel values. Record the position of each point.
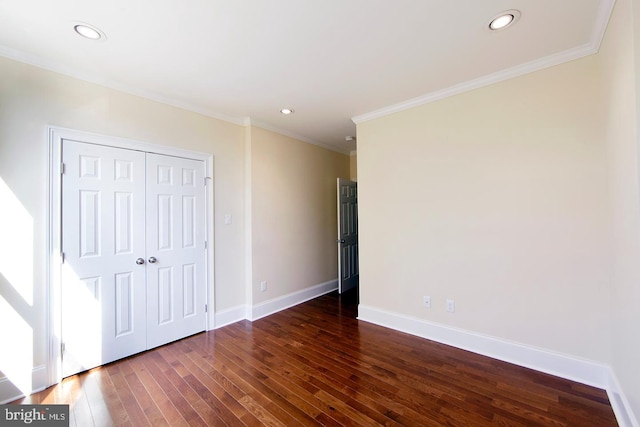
(263, 286)
(426, 301)
(451, 306)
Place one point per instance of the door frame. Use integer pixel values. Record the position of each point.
(54, 228)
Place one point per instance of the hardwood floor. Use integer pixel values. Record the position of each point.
(315, 364)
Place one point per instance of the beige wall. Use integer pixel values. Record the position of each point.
(522, 202)
(286, 190)
(32, 99)
(620, 77)
(293, 213)
(497, 199)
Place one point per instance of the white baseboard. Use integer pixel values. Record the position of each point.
(244, 312)
(619, 403)
(278, 304)
(230, 315)
(561, 365)
(9, 392)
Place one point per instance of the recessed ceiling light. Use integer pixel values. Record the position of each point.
(504, 19)
(287, 111)
(89, 32)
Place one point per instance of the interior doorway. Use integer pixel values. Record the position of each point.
(348, 270)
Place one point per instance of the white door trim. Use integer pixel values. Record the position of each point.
(54, 228)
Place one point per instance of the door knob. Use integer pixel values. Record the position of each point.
(340, 240)
(152, 260)
(140, 261)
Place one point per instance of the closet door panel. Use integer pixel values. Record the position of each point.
(175, 248)
(103, 289)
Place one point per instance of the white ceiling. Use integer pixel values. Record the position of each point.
(330, 60)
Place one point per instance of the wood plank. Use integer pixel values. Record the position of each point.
(356, 391)
(157, 393)
(135, 413)
(98, 403)
(316, 364)
(171, 372)
(174, 387)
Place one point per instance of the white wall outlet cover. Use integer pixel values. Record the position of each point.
(451, 306)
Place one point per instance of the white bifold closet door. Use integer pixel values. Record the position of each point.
(134, 258)
(175, 240)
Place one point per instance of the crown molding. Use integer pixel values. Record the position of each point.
(602, 20)
(266, 126)
(70, 72)
(599, 28)
(38, 62)
(478, 83)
